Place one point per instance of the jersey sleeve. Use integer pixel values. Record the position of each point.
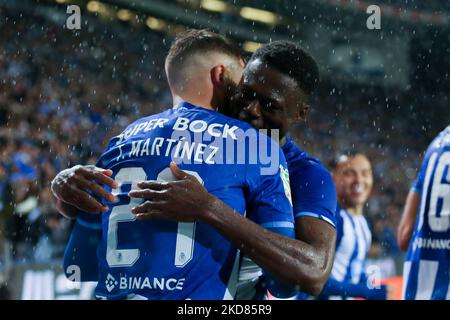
(269, 201)
(89, 220)
(81, 250)
(418, 182)
(339, 227)
(314, 193)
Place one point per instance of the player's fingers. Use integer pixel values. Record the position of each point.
(147, 206)
(107, 172)
(98, 175)
(144, 216)
(98, 190)
(153, 184)
(148, 194)
(180, 174)
(154, 214)
(177, 172)
(85, 202)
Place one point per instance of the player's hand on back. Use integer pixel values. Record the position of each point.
(182, 200)
(72, 186)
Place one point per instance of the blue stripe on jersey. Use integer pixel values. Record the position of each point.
(406, 286)
(440, 292)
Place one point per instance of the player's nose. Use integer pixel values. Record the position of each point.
(359, 178)
(253, 109)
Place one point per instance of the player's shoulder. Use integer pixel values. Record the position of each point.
(446, 132)
(439, 144)
(165, 114)
(210, 115)
(341, 215)
(442, 139)
(140, 125)
(235, 128)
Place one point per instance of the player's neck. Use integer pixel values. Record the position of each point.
(195, 101)
(355, 210)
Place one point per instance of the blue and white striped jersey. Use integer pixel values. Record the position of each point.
(427, 264)
(353, 240)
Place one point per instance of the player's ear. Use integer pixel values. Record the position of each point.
(218, 75)
(303, 111)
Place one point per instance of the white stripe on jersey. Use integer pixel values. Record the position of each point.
(339, 270)
(230, 291)
(249, 270)
(426, 280)
(406, 269)
(363, 247)
(135, 296)
(248, 276)
(448, 292)
(367, 233)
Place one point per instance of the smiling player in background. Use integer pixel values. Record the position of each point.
(353, 177)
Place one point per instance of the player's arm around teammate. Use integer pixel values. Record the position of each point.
(290, 260)
(297, 262)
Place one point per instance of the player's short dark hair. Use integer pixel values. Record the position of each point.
(290, 59)
(342, 157)
(193, 41)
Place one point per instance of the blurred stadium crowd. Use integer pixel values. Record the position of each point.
(64, 94)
